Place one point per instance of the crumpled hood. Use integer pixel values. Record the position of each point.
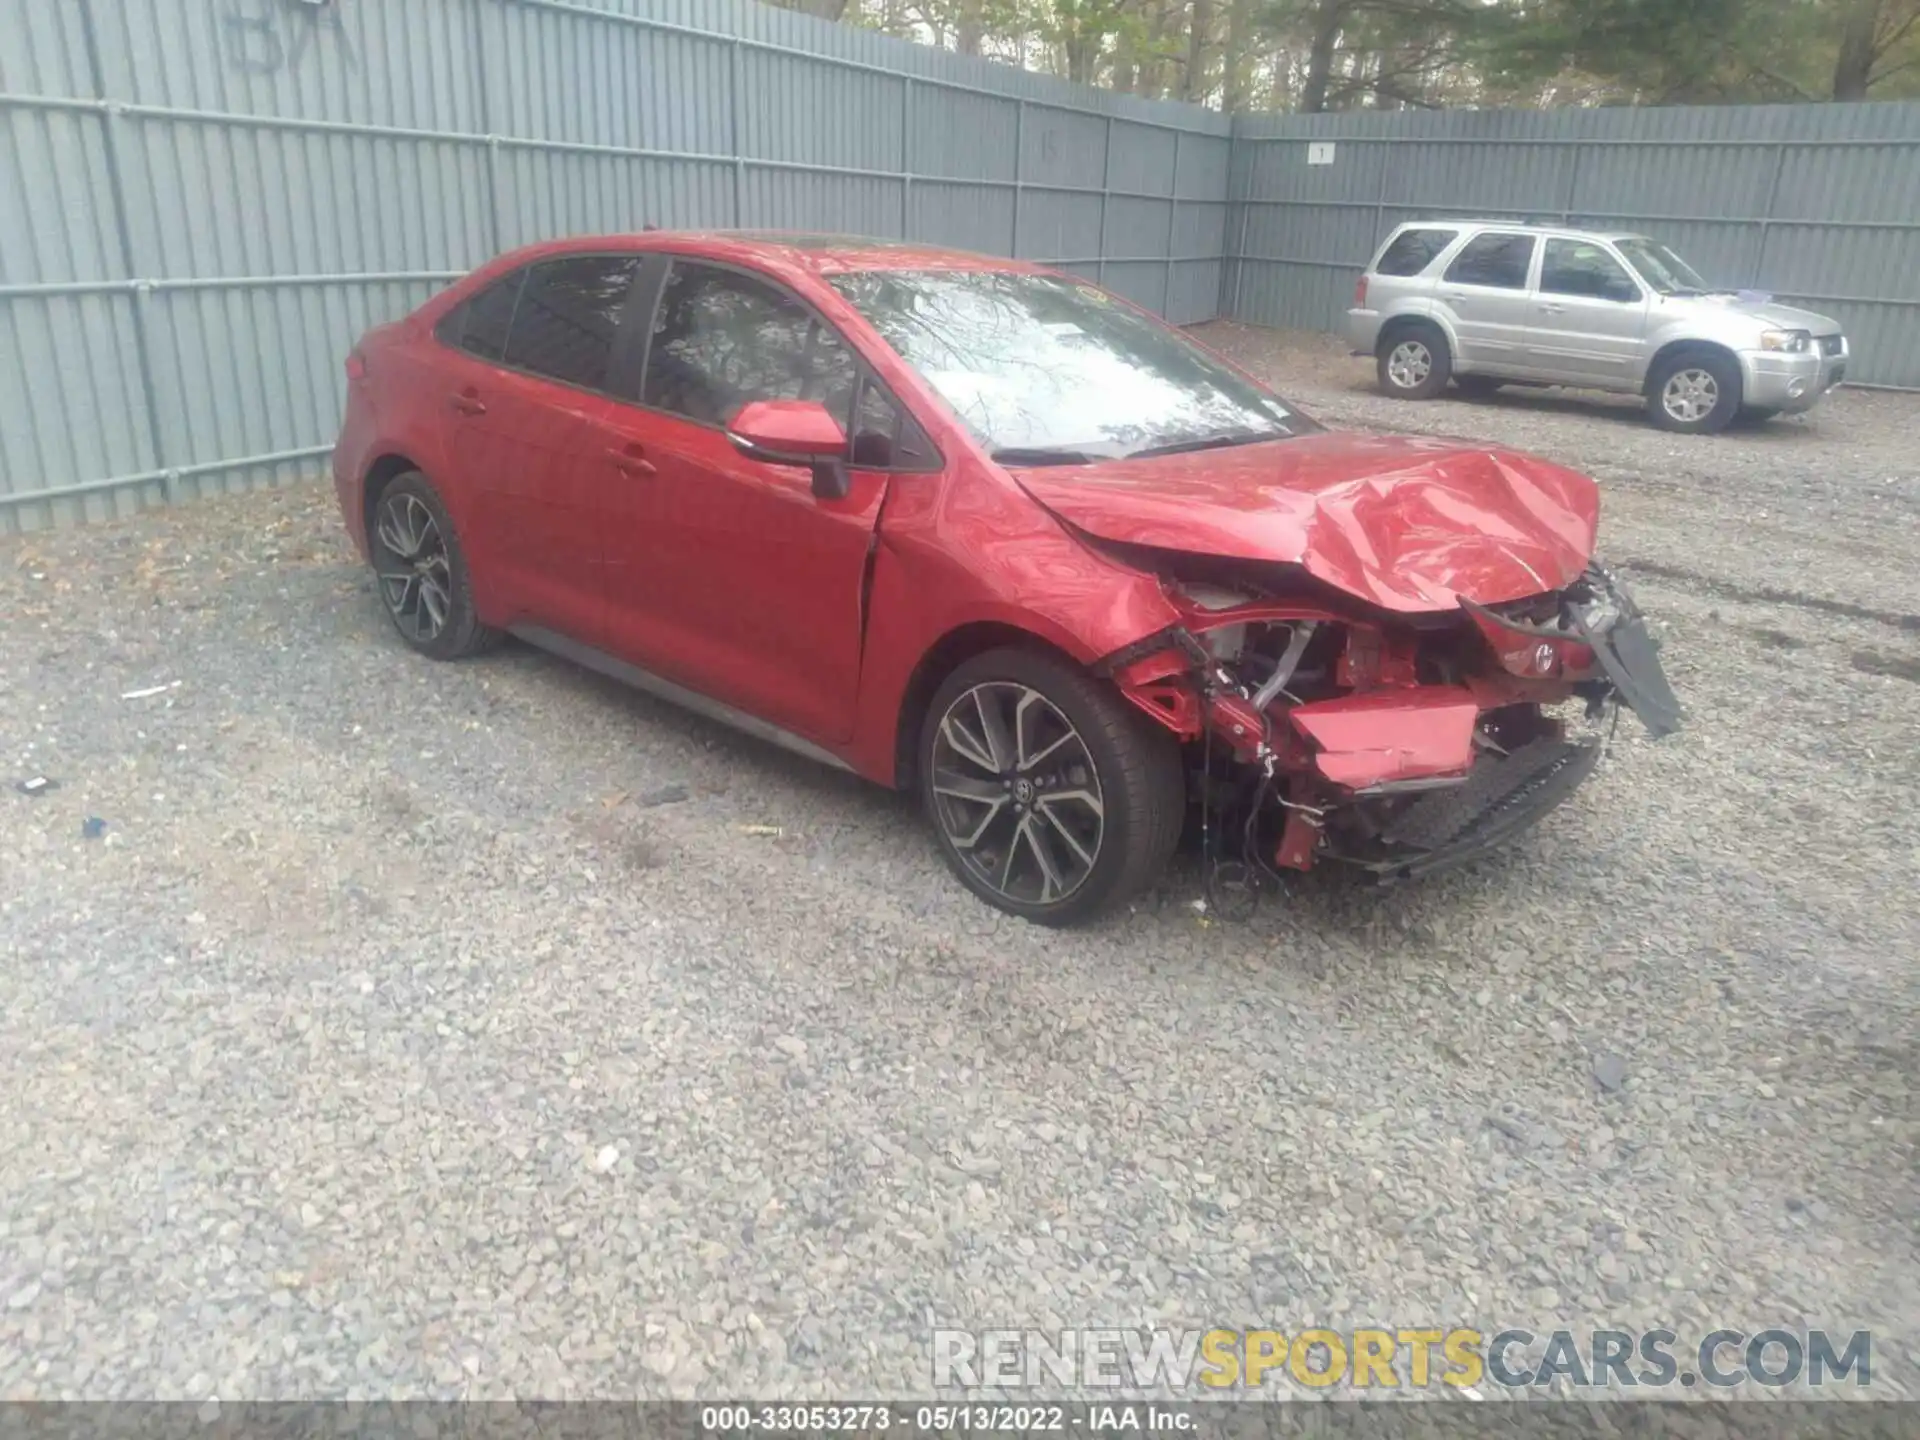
(1408, 524)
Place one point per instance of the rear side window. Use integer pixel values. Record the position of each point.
(1493, 259)
(568, 316)
(1412, 251)
(480, 326)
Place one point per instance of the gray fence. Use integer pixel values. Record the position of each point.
(203, 202)
(1819, 204)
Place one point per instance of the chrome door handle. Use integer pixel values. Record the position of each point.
(1554, 309)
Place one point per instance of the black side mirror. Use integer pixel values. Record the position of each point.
(830, 478)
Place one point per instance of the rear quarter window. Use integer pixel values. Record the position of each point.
(1411, 251)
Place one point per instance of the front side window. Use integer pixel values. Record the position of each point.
(1495, 259)
(1412, 251)
(1665, 271)
(568, 316)
(722, 339)
(1047, 370)
(1580, 267)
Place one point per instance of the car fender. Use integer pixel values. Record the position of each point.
(993, 559)
(1425, 307)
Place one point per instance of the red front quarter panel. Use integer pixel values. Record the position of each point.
(972, 548)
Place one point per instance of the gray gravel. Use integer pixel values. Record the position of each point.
(425, 1030)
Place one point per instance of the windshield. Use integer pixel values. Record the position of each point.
(1661, 268)
(1044, 370)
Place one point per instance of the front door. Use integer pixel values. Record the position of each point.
(1484, 295)
(1590, 316)
(727, 574)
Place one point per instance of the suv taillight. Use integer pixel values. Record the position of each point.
(1360, 292)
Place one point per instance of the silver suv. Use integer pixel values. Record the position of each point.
(1486, 303)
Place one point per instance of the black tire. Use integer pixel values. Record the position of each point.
(443, 628)
(1752, 417)
(1412, 362)
(1709, 396)
(1136, 781)
(1477, 387)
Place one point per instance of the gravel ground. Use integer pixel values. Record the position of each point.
(423, 1030)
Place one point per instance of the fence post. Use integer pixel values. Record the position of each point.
(1106, 186)
(112, 118)
(1573, 184)
(1019, 168)
(1173, 224)
(1758, 267)
(496, 232)
(906, 156)
(735, 86)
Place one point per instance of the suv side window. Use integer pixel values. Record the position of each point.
(1411, 251)
(1580, 267)
(722, 339)
(568, 317)
(480, 326)
(1494, 258)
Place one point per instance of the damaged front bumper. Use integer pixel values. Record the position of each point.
(1407, 753)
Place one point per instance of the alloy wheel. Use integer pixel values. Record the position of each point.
(1690, 395)
(1016, 793)
(416, 577)
(1409, 364)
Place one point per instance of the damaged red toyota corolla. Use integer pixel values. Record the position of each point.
(973, 527)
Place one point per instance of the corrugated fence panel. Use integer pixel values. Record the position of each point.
(223, 196)
(1818, 203)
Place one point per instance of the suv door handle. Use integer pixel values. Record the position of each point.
(631, 460)
(468, 402)
(1553, 309)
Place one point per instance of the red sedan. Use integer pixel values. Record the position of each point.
(982, 529)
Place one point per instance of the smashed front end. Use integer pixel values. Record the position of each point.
(1402, 744)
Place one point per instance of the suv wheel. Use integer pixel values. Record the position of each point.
(1695, 392)
(1053, 799)
(1414, 363)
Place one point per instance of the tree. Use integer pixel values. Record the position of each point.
(1872, 33)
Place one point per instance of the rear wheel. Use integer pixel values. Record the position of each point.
(1694, 392)
(1051, 797)
(422, 572)
(1413, 362)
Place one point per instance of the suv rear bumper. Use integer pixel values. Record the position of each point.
(1789, 383)
(1363, 330)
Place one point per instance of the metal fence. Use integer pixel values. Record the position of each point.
(204, 202)
(1819, 204)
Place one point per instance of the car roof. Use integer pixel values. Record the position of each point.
(822, 254)
(1527, 227)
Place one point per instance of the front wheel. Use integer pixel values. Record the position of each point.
(1051, 797)
(1413, 362)
(1695, 392)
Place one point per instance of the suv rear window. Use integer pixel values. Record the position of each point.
(1494, 258)
(1411, 251)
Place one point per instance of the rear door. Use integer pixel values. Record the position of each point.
(537, 352)
(1590, 315)
(724, 573)
(1484, 293)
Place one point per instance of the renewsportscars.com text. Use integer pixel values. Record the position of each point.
(1370, 1358)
